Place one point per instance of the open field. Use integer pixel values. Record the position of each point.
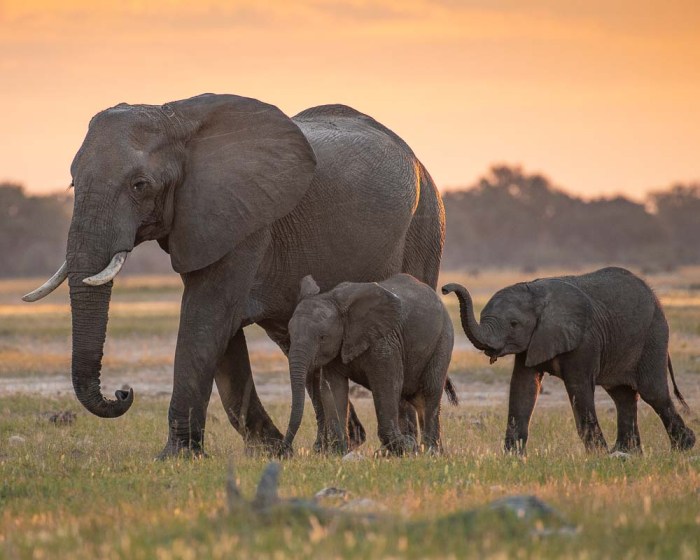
(91, 489)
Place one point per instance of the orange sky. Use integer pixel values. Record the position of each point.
(601, 95)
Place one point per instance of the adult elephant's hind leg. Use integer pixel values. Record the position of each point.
(625, 399)
(246, 413)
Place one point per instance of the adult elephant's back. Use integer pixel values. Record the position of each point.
(372, 209)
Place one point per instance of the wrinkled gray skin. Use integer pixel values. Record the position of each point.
(393, 337)
(247, 202)
(604, 328)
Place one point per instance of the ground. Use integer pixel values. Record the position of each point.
(89, 487)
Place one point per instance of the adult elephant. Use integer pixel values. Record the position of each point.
(247, 202)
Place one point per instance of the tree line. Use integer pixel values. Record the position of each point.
(509, 218)
(513, 219)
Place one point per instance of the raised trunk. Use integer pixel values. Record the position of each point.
(89, 307)
(299, 363)
(472, 329)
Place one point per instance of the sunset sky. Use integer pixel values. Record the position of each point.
(602, 96)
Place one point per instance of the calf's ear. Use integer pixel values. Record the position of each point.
(564, 317)
(369, 311)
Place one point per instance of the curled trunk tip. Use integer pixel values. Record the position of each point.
(100, 406)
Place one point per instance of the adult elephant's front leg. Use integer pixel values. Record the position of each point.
(213, 308)
(195, 359)
(205, 325)
(246, 413)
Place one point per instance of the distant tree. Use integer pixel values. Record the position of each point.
(678, 213)
(510, 218)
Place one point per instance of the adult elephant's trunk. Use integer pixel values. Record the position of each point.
(92, 263)
(299, 364)
(89, 307)
(473, 330)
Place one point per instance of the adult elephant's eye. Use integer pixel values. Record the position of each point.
(139, 187)
(513, 323)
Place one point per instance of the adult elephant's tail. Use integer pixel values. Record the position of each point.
(676, 391)
(426, 233)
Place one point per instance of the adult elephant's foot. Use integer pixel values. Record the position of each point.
(631, 446)
(398, 446)
(182, 450)
(267, 447)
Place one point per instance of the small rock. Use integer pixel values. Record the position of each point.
(353, 456)
(363, 505)
(620, 455)
(62, 418)
(524, 507)
(546, 520)
(16, 440)
(332, 492)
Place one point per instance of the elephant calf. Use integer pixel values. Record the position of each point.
(393, 337)
(603, 328)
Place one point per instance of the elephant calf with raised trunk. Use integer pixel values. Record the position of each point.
(393, 337)
(603, 328)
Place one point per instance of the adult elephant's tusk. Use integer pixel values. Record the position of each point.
(50, 285)
(108, 273)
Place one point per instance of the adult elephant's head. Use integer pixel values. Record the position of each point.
(198, 175)
(544, 318)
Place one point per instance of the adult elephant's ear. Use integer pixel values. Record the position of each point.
(564, 316)
(246, 165)
(369, 312)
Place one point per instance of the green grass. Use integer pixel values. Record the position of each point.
(92, 489)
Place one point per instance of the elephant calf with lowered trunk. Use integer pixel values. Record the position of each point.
(603, 328)
(393, 337)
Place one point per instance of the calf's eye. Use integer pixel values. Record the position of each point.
(513, 323)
